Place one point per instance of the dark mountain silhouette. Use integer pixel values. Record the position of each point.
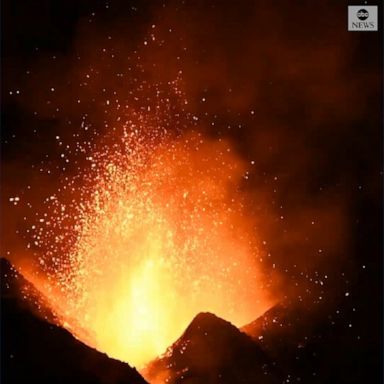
(212, 350)
(317, 348)
(282, 327)
(288, 344)
(36, 351)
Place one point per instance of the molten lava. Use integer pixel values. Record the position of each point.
(156, 233)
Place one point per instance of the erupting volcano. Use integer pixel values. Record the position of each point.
(190, 193)
(155, 232)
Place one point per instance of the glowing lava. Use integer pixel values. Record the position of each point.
(158, 234)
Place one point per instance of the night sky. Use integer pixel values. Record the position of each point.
(298, 96)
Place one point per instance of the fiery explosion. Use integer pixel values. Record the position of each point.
(155, 234)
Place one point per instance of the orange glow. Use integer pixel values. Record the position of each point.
(160, 234)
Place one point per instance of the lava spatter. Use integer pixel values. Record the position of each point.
(155, 231)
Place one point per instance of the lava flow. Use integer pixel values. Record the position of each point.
(155, 234)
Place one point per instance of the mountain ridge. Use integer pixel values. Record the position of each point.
(34, 350)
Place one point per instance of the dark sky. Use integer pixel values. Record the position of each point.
(287, 83)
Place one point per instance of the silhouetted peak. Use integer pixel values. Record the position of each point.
(11, 279)
(6, 268)
(207, 320)
(4, 263)
(210, 346)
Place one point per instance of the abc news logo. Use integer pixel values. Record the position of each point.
(362, 18)
(362, 14)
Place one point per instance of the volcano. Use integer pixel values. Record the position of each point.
(284, 345)
(212, 350)
(36, 351)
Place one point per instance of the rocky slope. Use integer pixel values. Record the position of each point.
(36, 351)
(212, 350)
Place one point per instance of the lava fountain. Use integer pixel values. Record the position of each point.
(156, 233)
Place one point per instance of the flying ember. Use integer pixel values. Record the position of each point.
(155, 232)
